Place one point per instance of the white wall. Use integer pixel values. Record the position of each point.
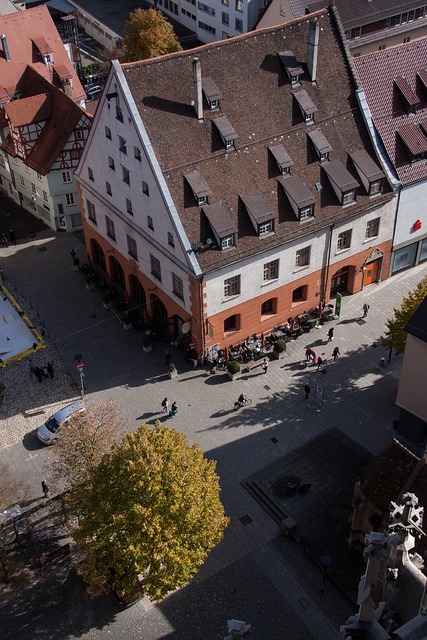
(412, 206)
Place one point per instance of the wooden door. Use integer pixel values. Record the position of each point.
(371, 274)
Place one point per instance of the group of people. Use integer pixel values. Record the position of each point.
(45, 371)
(165, 407)
(12, 238)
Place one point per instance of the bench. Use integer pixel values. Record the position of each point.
(248, 366)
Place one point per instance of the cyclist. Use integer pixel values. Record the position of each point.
(242, 399)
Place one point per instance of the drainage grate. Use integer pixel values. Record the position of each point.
(245, 520)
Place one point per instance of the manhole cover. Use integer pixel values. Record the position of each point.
(245, 520)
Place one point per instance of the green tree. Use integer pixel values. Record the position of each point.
(147, 34)
(395, 336)
(149, 515)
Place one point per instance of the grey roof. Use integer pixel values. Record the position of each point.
(210, 89)
(258, 207)
(197, 183)
(219, 219)
(61, 5)
(291, 64)
(359, 12)
(305, 102)
(417, 325)
(7, 7)
(337, 172)
(366, 165)
(281, 156)
(319, 141)
(296, 190)
(225, 128)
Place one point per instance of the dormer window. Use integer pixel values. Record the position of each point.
(305, 213)
(226, 132)
(227, 242)
(199, 187)
(292, 67)
(48, 59)
(221, 224)
(212, 94)
(283, 159)
(320, 143)
(266, 228)
(342, 182)
(369, 172)
(44, 49)
(348, 197)
(306, 105)
(409, 97)
(300, 197)
(260, 212)
(414, 141)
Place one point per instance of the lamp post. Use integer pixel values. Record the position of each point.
(80, 367)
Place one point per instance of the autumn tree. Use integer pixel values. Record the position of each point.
(395, 336)
(149, 515)
(147, 34)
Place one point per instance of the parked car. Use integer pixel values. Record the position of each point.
(48, 431)
(93, 91)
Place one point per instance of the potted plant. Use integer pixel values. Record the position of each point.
(106, 301)
(279, 349)
(233, 369)
(126, 321)
(90, 285)
(172, 370)
(146, 345)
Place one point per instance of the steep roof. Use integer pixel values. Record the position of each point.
(258, 102)
(359, 12)
(29, 34)
(389, 103)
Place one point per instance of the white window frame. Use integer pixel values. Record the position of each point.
(271, 270)
(344, 240)
(348, 197)
(306, 213)
(227, 242)
(372, 229)
(70, 199)
(232, 286)
(265, 228)
(302, 257)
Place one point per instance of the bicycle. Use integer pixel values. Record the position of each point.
(242, 403)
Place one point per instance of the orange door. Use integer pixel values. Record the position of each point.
(371, 274)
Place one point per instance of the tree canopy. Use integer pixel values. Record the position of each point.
(149, 515)
(395, 336)
(147, 34)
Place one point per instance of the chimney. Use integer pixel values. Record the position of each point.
(5, 48)
(197, 87)
(313, 49)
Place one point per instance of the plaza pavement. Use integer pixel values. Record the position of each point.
(358, 400)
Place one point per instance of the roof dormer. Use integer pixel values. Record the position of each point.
(409, 97)
(226, 131)
(199, 187)
(320, 143)
(292, 67)
(414, 140)
(306, 105)
(282, 157)
(212, 94)
(221, 224)
(342, 182)
(300, 197)
(44, 49)
(369, 172)
(260, 212)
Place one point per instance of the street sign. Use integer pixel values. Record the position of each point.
(80, 366)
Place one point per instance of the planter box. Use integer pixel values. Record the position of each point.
(278, 355)
(173, 374)
(233, 376)
(147, 348)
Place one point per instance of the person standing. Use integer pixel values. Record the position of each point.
(12, 236)
(45, 489)
(330, 334)
(319, 363)
(174, 410)
(365, 310)
(50, 369)
(265, 364)
(38, 373)
(307, 391)
(165, 405)
(335, 353)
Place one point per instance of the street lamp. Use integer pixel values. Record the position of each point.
(80, 367)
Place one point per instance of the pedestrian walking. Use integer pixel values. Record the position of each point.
(38, 373)
(330, 334)
(307, 391)
(3, 240)
(45, 489)
(50, 369)
(265, 364)
(12, 236)
(165, 405)
(174, 410)
(365, 309)
(335, 353)
(308, 354)
(319, 363)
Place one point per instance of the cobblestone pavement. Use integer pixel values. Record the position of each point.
(359, 400)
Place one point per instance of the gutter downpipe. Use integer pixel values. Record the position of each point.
(202, 320)
(325, 281)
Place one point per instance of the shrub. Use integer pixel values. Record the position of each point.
(233, 366)
(171, 367)
(280, 346)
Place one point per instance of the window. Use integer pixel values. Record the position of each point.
(232, 286)
(265, 227)
(232, 323)
(79, 135)
(308, 117)
(39, 176)
(155, 267)
(227, 242)
(387, 23)
(66, 175)
(22, 181)
(108, 188)
(145, 189)
(344, 240)
(177, 286)
(70, 199)
(239, 5)
(305, 213)
(122, 145)
(132, 248)
(299, 294)
(33, 189)
(356, 33)
(206, 8)
(129, 206)
(406, 40)
(119, 113)
(111, 232)
(111, 163)
(302, 257)
(374, 187)
(45, 197)
(271, 270)
(226, 2)
(108, 132)
(268, 308)
(207, 27)
(150, 223)
(239, 25)
(229, 144)
(225, 18)
(91, 214)
(137, 153)
(372, 228)
(125, 175)
(324, 156)
(170, 239)
(381, 47)
(348, 197)
(202, 200)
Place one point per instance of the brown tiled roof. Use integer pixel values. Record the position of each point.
(258, 102)
(28, 110)
(367, 166)
(413, 137)
(422, 74)
(27, 33)
(377, 72)
(63, 71)
(219, 219)
(406, 91)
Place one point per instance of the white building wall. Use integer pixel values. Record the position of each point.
(412, 207)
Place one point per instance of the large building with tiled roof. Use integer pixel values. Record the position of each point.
(232, 191)
(393, 94)
(43, 121)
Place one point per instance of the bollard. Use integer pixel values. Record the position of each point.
(382, 362)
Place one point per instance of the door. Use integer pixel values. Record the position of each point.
(371, 274)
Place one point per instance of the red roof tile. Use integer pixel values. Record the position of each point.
(28, 110)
